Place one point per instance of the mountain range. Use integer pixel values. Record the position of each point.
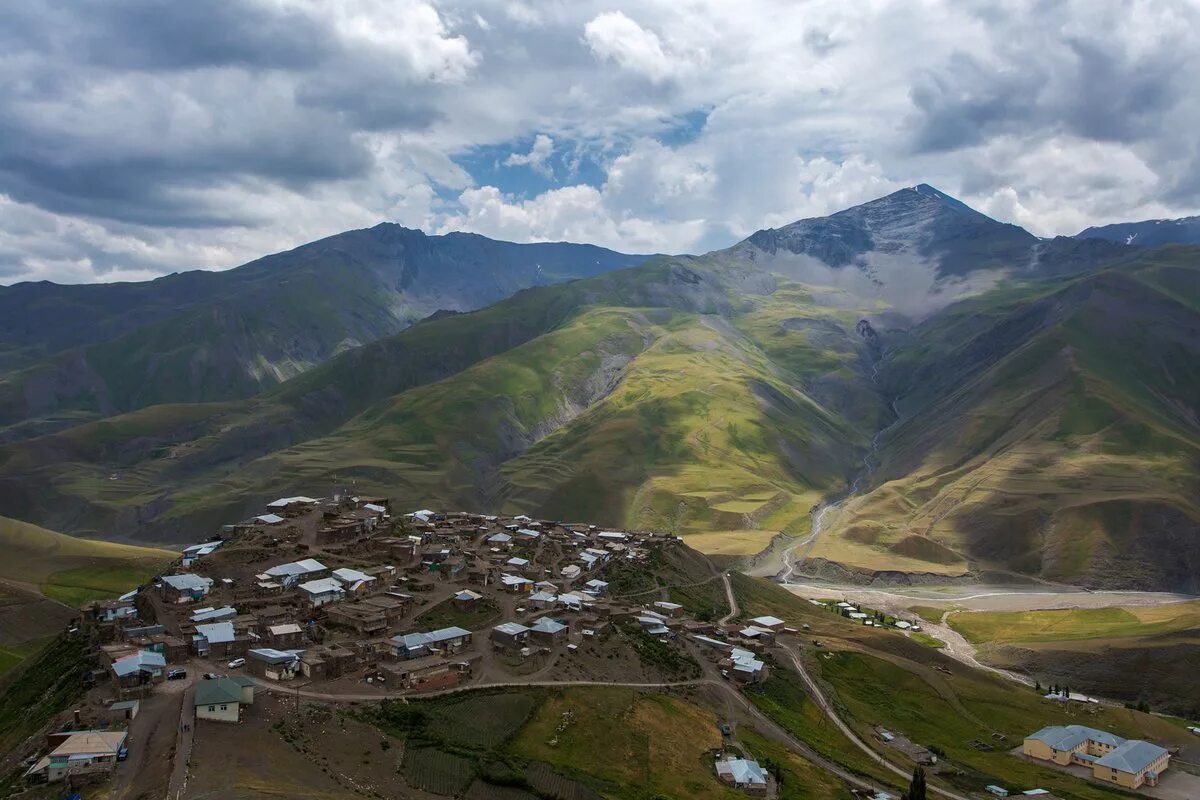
(1150, 233)
(990, 401)
(74, 353)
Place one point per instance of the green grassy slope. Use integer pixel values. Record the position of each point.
(1052, 429)
(683, 389)
(879, 677)
(1048, 427)
(73, 570)
(72, 353)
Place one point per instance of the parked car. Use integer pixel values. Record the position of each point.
(725, 729)
(176, 674)
(237, 662)
(208, 676)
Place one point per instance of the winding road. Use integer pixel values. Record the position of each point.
(817, 695)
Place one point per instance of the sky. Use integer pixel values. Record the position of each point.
(143, 137)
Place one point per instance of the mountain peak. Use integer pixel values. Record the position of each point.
(918, 225)
(925, 190)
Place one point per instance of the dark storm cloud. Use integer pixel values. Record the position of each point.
(166, 34)
(128, 109)
(1090, 88)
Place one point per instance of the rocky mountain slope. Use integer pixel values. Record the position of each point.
(1150, 233)
(1049, 429)
(74, 353)
(1047, 426)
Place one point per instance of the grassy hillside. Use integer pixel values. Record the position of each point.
(685, 394)
(73, 570)
(1074, 624)
(73, 353)
(883, 677)
(1051, 429)
(1048, 427)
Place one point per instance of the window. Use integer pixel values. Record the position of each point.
(224, 707)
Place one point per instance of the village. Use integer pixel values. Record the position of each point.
(345, 600)
(344, 597)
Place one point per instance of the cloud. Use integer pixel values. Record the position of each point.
(572, 213)
(140, 136)
(616, 37)
(536, 158)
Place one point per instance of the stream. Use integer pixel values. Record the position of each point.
(793, 555)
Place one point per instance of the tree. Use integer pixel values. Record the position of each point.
(916, 787)
(1037, 686)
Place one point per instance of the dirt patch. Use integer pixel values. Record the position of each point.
(287, 749)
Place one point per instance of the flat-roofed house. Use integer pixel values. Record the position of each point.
(80, 753)
(768, 623)
(285, 635)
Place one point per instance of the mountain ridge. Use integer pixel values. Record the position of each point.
(201, 336)
(721, 397)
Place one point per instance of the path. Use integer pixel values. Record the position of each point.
(815, 692)
(271, 686)
(769, 726)
(185, 732)
(733, 604)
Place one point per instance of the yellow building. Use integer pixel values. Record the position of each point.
(1128, 763)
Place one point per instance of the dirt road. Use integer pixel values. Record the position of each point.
(815, 692)
(984, 597)
(733, 604)
(767, 726)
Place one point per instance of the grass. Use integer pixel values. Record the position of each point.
(926, 639)
(635, 745)
(71, 570)
(731, 543)
(447, 614)
(782, 697)
(928, 613)
(879, 677)
(950, 713)
(74, 587)
(1061, 625)
(797, 779)
(34, 691)
(12, 655)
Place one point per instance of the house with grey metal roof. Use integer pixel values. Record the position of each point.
(742, 773)
(444, 640)
(185, 588)
(510, 636)
(1126, 763)
(548, 631)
